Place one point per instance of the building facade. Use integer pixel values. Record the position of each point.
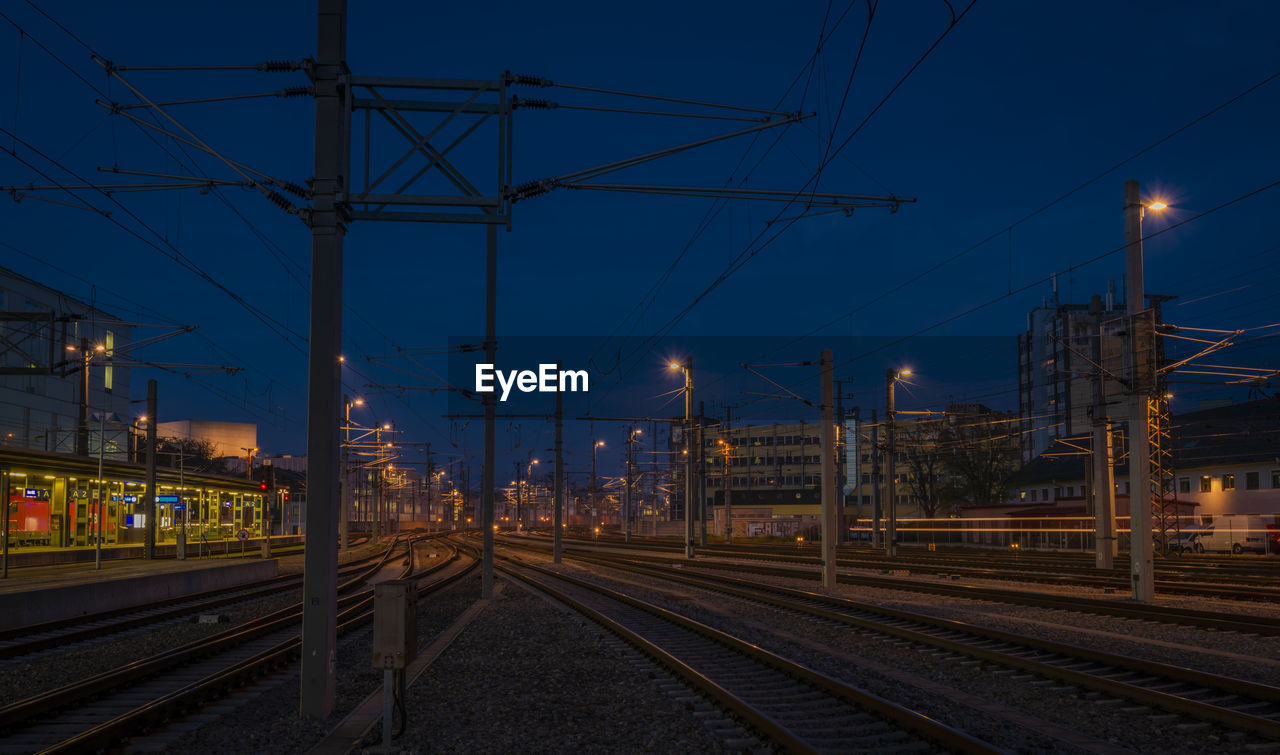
(1056, 358)
(1225, 460)
(48, 341)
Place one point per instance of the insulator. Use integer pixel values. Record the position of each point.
(531, 189)
(297, 92)
(279, 66)
(294, 189)
(280, 201)
(543, 104)
(525, 79)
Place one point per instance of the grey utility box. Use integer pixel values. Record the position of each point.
(395, 623)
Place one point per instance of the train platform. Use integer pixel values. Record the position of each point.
(39, 594)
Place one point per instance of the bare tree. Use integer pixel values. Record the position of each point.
(192, 454)
(926, 463)
(980, 448)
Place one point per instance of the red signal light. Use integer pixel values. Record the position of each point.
(262, 486)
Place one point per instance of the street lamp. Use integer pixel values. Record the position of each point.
(102, 417)
(892, 377)
(687, 368)
(1140, 387)
(594, 490)
(345, 516)
(631, 440)
(248, 461)
(87, 353)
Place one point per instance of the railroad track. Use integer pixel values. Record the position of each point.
(1165, 587)
(1056, 568)
(96, 713)
(62, 632)
(791, 706)
(1235, 703)
(1219, 621)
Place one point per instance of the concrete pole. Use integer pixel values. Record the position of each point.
(82, 411)
(875, 481)
(558, 500)
(149, 509)
(595, 444)
(728, 503)
(1104, 489)
(375, 490)
(320, 576)
(626, 493)
(891, 539)
(689, 461)
(841, 441)
(102, 507)
(490, 409)
(4, 544)
(1140, 547)
(829, 524)
(344, 509)
(702, 478)
(653, 474)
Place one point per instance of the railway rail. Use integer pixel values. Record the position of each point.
(1256, 587)
(96, 713)
(795, 708)
(32, 638)
(1234, 703)
(1216, 620)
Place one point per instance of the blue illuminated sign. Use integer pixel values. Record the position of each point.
(166, 499)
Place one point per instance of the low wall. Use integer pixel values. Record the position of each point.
(27, 607)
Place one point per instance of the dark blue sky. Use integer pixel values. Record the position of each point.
(1020, 104)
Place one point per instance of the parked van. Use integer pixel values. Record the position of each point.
(1238, 533)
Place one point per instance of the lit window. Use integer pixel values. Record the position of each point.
(1228, 482)
(107, 376)
(1206, 484)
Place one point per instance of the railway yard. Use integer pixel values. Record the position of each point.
(630, 647)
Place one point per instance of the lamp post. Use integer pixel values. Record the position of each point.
(594, 502)
(631, 441)
(687, 367)
(892, 377)
(728, 506)
(248, 461)
(345, 511)
(102, 443)
(1141, 383)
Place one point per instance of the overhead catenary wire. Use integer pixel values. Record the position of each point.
(759, 242)
(290, 265)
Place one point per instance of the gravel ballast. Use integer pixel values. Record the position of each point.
(526, 676)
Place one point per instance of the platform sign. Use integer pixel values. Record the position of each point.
(31, 493)
(166, 499)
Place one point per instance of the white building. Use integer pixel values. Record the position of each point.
(1226, 460)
